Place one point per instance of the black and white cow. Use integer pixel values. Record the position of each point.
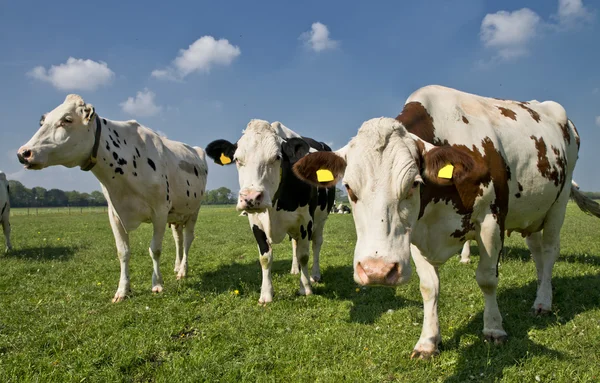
(145, 177)
(277, 202)
(5, 206)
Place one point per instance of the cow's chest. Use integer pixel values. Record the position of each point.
(277, 225)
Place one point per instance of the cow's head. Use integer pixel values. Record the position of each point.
(261, 155)
(382, 169)
(65, 136)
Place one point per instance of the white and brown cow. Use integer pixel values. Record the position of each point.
(144, 177)
(5, 206)
(277, 202)
(454, 167)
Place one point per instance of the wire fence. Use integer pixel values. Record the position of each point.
(66, 210)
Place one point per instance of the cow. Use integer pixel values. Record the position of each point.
(145, 177)
(450, 168)
(343, 209)
(277, 202)
(5, 214)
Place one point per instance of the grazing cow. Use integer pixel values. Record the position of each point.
(453, 167)
(277, 202)
(5, 214)
(343, 209)
(144, 177)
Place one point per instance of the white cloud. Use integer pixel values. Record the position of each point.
(142, 105)
(318, 39)
(200, 56)
(75, 74)
(598, 121)
(509, 32)
(571, 12)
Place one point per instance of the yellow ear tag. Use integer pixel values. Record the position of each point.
(446, 172)
(324, 175)
(224, 159)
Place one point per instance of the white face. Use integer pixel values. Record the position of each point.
(258, 159)
(65, 137)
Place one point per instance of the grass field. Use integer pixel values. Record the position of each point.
(57, 323)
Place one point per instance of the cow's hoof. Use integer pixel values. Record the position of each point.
(425, 355)
(304, 291)
(157, 289)
(294, 271)
(496, 338)
(180, 276)
(465, 261)
(119, 297)
(315, 279)
(264, 300)
(540, 311)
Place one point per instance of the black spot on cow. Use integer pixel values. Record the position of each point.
(303, 232)
(195, 195)
(119, 170)
(322, 199)
(115, 144)
(151, 163)
(115, 156)
(167, 196)
(309, 228)
(188, 182)
(116, 133)
(4, 207)
(137, 152)
(187, 192)
(107, 146)
(111, 165)
(122, 161)
(125, 142)
(135, 174)
(195, 171)
(261, 239)
(134, 164)
(104, 120)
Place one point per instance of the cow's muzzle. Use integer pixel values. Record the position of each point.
(250, 200)
(378, 272)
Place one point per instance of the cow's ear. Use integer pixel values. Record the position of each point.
(295, 148)
(86, 112)
(221, 151)
(321, 169)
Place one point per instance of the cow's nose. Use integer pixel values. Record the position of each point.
(378, 272)
(23, 155)
(251, 198)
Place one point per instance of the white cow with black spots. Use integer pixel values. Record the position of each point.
(454, 167)
(145, 177)
(277, 202)
(5, 206)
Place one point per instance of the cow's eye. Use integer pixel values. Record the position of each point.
(68, 119)
(416, 184)
(278, 158)
(42, 120)
(238, 162)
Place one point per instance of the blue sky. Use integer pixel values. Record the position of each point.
(200, 70)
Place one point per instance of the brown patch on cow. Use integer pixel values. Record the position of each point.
(555, 173)
(351, 194)
(306, 168)
(465, 120)
(507, 113)
(577, 140)
(565, 132)
(417, 120)
(518, 195)
(535, 115)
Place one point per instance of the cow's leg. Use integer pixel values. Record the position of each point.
(303, 253)
(545, 249)
(465, 255)
(295, 268)
(159, 226)
(188, 238)
(266, 261)
(490, 242)
(122, 242)
(6, 229)
(429, 280)
(177, 230)
(317, 242)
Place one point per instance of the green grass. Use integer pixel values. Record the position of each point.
(57, 323)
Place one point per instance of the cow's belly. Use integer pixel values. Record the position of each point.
(279, 224)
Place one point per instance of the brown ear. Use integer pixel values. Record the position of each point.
(469, 170)
(312, 167)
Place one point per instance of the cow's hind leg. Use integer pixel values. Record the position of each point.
(159, 226)
(295, 269)
(122, 243)
(188, 238)
(490, 241)
(303, 253)
(177, 230)
(429, 280)
(465, 254)
(6, 229)
(545, 249)
(317, 242)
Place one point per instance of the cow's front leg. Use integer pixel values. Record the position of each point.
(122, 242)
(188, 238)
(295, 269)
(302, 253)
(6, 229)
(429, 280)
(266, 261)
(490, 242)
(316, 238)
(159, 225)
(465, 254)
(177, 230)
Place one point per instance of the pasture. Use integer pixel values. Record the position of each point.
(57, 322)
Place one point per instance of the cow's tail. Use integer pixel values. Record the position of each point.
(586, 204)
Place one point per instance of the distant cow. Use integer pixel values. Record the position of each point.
(144, 177)
(343, 209)
(5, 214)
(277, 202)
(453, 167)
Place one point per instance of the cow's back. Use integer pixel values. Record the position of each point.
(534, 141)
